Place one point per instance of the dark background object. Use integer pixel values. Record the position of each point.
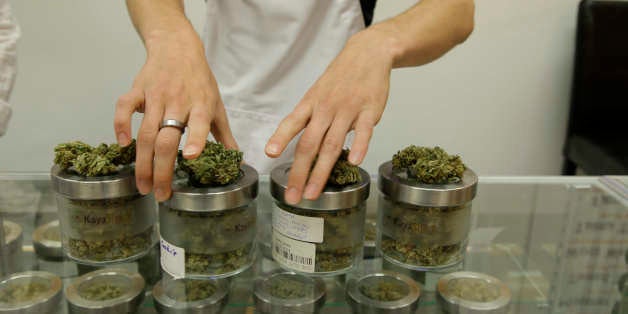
(597, 134)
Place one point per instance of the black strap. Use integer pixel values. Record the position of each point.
(368, 7)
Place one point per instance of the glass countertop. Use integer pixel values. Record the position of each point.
(559, 243)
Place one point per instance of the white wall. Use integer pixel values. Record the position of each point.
(500, 99)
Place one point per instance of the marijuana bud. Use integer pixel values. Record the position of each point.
(383, 291)
(66, 153)
(215, 166)
(429, 165)
(344, 173)
(91, 161)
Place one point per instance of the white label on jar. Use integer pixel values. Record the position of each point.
(309, 229)
(172, 259)
(294, 254)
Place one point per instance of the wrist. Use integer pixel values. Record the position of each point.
(182, 35)
(383, 41)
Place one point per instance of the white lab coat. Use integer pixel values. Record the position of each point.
(265, 55)
(9, 33)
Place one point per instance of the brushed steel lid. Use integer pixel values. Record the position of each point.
(448, 293)
(78, 187)
(332, 198)
(240, 193)
(311, 302)
(43, 302)
(398, 187)
(165, 291)
(361, 303)
(45, 240)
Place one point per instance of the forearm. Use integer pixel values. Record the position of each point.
(424, 32)
(155, 20)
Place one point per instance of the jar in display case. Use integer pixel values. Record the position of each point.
(47, 241)
(30, 292)
(323, 236)
(108, 290)
(423, 226)
(471, 292)
(283, 291)
(12, 247)
(383, 292)
(211, 231)
(104, 219)
(190, 296)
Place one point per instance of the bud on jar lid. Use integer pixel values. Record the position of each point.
(30, 292)
(287, 292)
(202, 296)
(206, 199)
(399, 188)
(332, 197)
(78, 187)
(109, 290)
(470, 292)
(47, 240)
(12, 235)
(383, 292)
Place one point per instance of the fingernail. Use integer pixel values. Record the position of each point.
(143, 186)
(310, 191)
(292, 196)
(160, 195)
(272, 149)
(354, 158)
(123, 139)
(190, 150)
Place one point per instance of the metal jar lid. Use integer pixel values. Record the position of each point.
(166, 302)
(332, 198)
(240, 193)
(78, 187)
(370, 230)
(44, 245)
(266, 302)
(43, 302)
(361, 303)
(399, 188)
(127, 302)
(12, 235)
(451, 303)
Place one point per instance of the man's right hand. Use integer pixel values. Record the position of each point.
(174, 83)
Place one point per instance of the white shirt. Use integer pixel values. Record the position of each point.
(9, 34)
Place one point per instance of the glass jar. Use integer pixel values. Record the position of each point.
(104, 220)
(383, 292)
(209, 232)
(108, 290)
(202, 296)
(470, 292)
(323, 236)
(47, 241)
(30, 292)
(423, 226)
(283, 291)
(11, 250)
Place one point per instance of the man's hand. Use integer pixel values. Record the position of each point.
(350, 95)
(174, 83)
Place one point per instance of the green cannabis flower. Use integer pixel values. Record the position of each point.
(215, 166)
(344, 173)
(102, 291)
(286, 288)
(89, 161)
(383, 291)
(193, 290)
(473, 289)
(15, 293)
(429, 165)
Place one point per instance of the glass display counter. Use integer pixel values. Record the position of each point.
(559, 243)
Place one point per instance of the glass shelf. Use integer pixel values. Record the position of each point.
(559, 243)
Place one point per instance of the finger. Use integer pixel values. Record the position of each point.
(289, 127)
(363, 131)
(327, 156)
(220, 128)
(125, 106)
(305, 152)
(198, 127)
(145, 145)
(166, 147)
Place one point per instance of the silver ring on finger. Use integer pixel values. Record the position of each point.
(172, 123)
